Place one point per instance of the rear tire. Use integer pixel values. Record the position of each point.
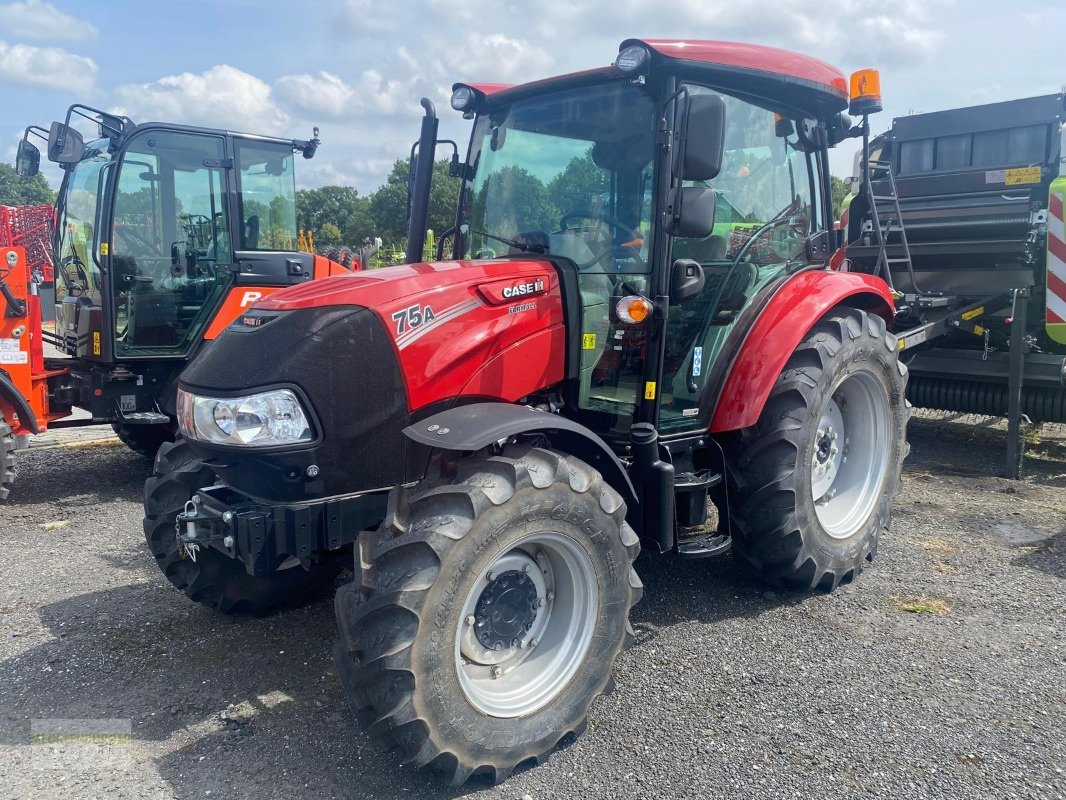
(492, 539)
(214, 579)
(145, 440)
(806, 518)
(8, 466)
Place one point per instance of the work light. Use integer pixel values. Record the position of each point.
(463, 98)
(632, 59)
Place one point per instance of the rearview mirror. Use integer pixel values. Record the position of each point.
(693, 212)
(27, 160)
(704, 138)
(65, 145)
(686, 280)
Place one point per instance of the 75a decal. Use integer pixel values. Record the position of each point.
(408, 319)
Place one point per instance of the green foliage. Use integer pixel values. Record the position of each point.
(16, 191)
(339, 215)
(388, 205)
(329, 233)
(840, 193)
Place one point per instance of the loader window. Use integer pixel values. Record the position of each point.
(267, 196)
(170, 246)
(78, 274)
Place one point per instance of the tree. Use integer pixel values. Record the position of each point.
(335, 204)
(841, 190)
(16, 191)
(574, 189)
(329, 233)
(388, 205)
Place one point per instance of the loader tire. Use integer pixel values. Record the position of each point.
(145, 440)
(458, 582)
(214, 579)
(815, 477)
(8, 465)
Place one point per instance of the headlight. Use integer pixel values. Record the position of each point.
(257, 420)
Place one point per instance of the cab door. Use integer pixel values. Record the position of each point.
(767, 206)
(170, 252)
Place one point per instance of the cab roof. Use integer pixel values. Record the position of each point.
(782, 79)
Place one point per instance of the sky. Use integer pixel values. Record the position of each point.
(357, 68)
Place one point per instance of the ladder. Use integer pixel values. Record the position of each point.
(884, 262)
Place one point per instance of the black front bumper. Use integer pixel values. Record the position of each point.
(264, 536)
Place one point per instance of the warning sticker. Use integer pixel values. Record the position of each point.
(17, 357)
(975, 312)
(588, 341)
(8, 345)
(1021, 176)
(649, 390)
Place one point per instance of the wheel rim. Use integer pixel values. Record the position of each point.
(850, 456)
(526, 625)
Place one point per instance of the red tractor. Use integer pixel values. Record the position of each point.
(164, 234)
(638, 322)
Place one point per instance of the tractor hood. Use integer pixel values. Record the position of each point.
(369, 354)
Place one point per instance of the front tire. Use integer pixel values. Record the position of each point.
(492, 611)
(816, 475)
(8, 466)
(215, 580)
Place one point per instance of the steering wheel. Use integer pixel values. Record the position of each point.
(627, 233)
(147, 248)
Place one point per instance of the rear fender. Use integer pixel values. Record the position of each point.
(13, 402)
(472, 427)
(799, 303)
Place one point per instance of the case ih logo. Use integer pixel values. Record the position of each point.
(523, 289)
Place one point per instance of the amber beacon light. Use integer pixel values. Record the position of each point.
(865, 92)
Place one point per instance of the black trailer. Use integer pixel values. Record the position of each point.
(961, 211)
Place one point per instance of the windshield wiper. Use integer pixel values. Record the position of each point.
(523, 246)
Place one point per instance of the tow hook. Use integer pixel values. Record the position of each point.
(188, 546)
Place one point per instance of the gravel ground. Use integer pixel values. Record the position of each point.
(732, 692)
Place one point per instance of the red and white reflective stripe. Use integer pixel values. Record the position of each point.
(1056, 263)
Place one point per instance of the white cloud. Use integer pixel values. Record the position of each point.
(34, 19)
(373, 16)
(323, 94)
(46, 68)
(222, 97)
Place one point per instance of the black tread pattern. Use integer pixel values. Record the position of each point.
(768, 532)
(145, 440)
(378, 626)
(215, 580)
(8, 466)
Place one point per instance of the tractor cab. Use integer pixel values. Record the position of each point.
(156, 223)
(681, 184)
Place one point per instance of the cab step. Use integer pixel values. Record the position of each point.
(704, 545)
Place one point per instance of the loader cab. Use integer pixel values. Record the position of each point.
(157, 223)
(673, 195)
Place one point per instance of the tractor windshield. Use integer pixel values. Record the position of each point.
(78, 272)
(571, 174)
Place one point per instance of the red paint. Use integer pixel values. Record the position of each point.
(782, 325)
(487, 89)
(469, 347)
(757, 58)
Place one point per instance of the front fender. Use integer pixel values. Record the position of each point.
(798, 304)
(12, 398)
(472, 427)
